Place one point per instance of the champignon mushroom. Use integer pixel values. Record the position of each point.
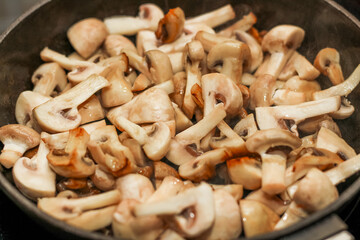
(298, 85)
(162, 171)
(47, 78)
(109, 153)
(209, 40)
(134, 186)
(103, 180)
(244, 24)
(17, 139)
(195, 205)
(274, 202)
(33, 177)
(245, 171)
(60, 113)
(246, 126)
(230, 58)
(345, 111)
(262, 91)
(71, 161)
(91, 110)
(327, 61)
(148, 18)
(159, 66)
(171, 26)
(257, 218)
(281, 42)
(115, 43)
(270, 145)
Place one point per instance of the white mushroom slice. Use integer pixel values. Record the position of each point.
(342, 89)
(60, 113)
(180, 151)
(244, 24)
(67, 209)
(327, 61)
(344, 170)
(33, 177)
(145, 41)
(182, 122)
(214, 18)
(80, 74)
(345, 111)
(138, 62)
(276, 117)
(246, 126)
(329, 140)
(209, 40)
(257, 218)
(103, 180)
(163, 170)
(87, 35)
(91, 110)
(47, 78)
(245, 171)
(25, 103)
(140, 83)
(227, 224)
(135, 186)
(288, 97)
(216, 86)
(292, 215)
(262, 91)
(198, 202)
(305, 69)
(159, 66)
(176, 60)
(119, 90)
(256, 52)
(167, 86)
(264, 142)
(114, 44)
(109, 153)
(171, 26)
(169, 187)
(298, 85)
(274, 202)
(71, 161)
(235, 190)
(231, 58)
(194, 53)
(17, 139)
(103, 216)
(228, 139)
(281, 42)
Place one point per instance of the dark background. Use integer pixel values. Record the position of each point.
(14, 224)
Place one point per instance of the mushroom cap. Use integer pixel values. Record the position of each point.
(262, 91)
(283, 37)
(87, 35)
(159, 66)
(245, 171)
(134, 186)
(114, 43)
(171, 26)
(263, 140)
(19, 133)
(327, 61)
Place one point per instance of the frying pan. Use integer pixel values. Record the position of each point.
(326, 25)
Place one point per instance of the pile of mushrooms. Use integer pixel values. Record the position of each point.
(190, 133)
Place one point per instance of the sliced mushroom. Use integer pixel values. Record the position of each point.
(33, 177)
(298, 85)
(171, 26)
(181, 120)
(47, 78)
(281, 42)
(270, 145)
(327, 61)
(195, 205)
(344, 170)
(262, 91)
(17, 139)
(170, 186)
(244, 24)
(109, 153)
(148, 18)
(87, 35)
(257, 218)
(246, 126)
(280, 116)
(135, 186)
(345, 111)
(209, 40)
(274, 202)
(114, 44)
(103, 180)
(159, 66)
(245, 171)
(72, 161)
(60, 113)
(91, 110)
(230, 58)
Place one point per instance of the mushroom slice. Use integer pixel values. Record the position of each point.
(344, 170)
(230, 58)
(159, 66)
(342, 89)
(87, 35)
(195, 205)
(67, 209)
(103, 180)
(179, 80)
(171, 26)
(176, 59)
(119, 90)
(180, 147)
(25, 103)
(246, 126)
(146, 40)
(245, 171)
(33, 177)
(60, 113)
(257, 218)
(71, 161)
(209, 40)
(155, 145)
(194, 53)
(329, 140)
(274, 202)
(91, 110)
(255, 49)
(244, 24)
(214, 18)
(288, 97)
(270, 145)
(162, 171)
(277, 117)
(262, 91)
(47, 78)
(135, 186)
(293, 214)
(109, 153)
(345, 111)
(281, 42)
(327, 61)
(227, 224)
(170, 186)
(148, 18)
(115, 43)
(315, 191)
(218, 87)
(298, 85)
(181, 120)
(17, 139)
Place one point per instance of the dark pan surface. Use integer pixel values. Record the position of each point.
(325, 24)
